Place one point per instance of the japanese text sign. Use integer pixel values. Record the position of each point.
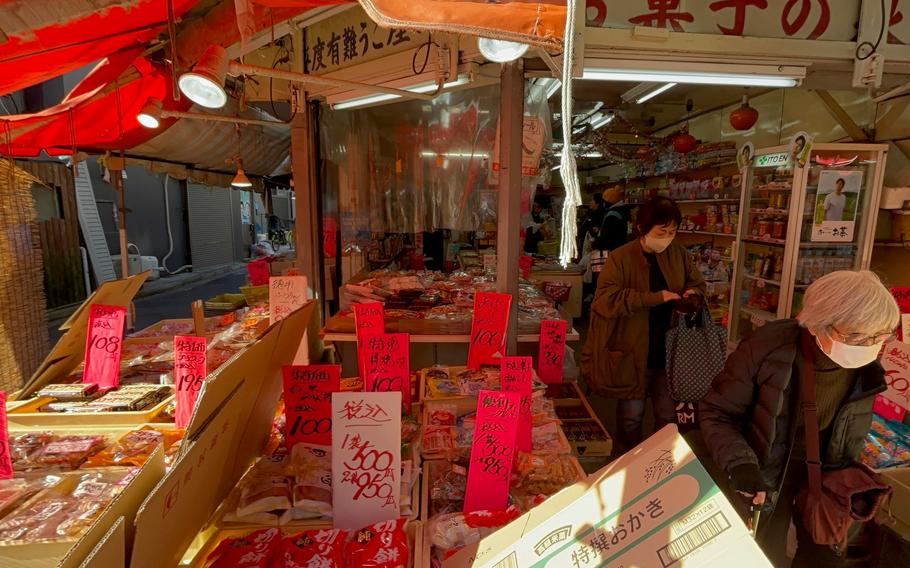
(888, 409)
(489, 328)
(895, 360)
(258, 271)
(552, 350)
(189, 375)
(369, 320)
(388, 365)
(6, 461)
(493, 451)
(366, 458)
(102, 346)
(286, 294)
(308, 403)
(516, 375)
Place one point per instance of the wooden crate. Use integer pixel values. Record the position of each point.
(579, 406)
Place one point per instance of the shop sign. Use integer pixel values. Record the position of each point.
(835, 206)
(286, 294)
(189, 375)
(493, 451)
(366, 458)
(351, 38)
(102, 346)
(895, 359)
(771, 160)
(6, 461)
(258, 271)
(516, 375)
(369, 320)
(308, 402)
(488, 328)
(388, 365)
(552, 350)
(533, 135)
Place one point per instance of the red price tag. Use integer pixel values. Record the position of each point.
(888, 409)
(369, 321)
(308, 403)
(6, 461)
(103, 343)
(493, 451)
(388, 363)
(189, 375)
(552, 350)
(488, 329)
(516, 375)
(258, 271)
(525, 262)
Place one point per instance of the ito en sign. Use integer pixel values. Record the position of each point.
(388, 365)
(516, 375)
(552, 350)
(493, 451)
(366, 458)
(308, 402)
(189, 375)
(286, 294)
(488, 328)
(102, 346)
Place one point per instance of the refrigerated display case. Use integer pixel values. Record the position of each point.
(800, 223)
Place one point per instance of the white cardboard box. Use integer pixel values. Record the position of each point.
(655, 507)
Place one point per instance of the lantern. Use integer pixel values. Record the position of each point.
(684, 142)
(744, 117)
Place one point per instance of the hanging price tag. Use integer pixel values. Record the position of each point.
(489, 328)
(895, 360)
(493, 451)
(388, 365)
(366, 458)
(516, 375)
(189, 375)
(286, 294)
(258, 271)
(552, 350)
(6, 460)
(369, 321)
(103, 342)
(308, 403)
(525, 262)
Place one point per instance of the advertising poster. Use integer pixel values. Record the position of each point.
(835, 206)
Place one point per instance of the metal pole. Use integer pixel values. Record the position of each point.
(117, 179)
(511, 113)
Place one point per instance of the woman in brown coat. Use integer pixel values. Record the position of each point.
(624, 357)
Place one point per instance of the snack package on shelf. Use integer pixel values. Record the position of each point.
(450, 532)
(15, 492)
(44, 450)
(134, 448)
(255, 550)
(887, 444)
(319, 548)
(382, 545)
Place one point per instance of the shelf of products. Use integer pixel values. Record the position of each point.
(707, 233)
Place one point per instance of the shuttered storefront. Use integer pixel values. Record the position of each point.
(211, 225)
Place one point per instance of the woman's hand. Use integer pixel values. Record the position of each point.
(668, 296)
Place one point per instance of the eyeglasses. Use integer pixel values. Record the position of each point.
(860, 339)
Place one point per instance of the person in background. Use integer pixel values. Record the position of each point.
(537, 231)
(624, 357)
(614, 230)
(751, 418)
(592, 220)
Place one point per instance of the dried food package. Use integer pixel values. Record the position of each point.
(255, 550)
(382, 545)
(135, 447)
(68, 452)
(323, 548)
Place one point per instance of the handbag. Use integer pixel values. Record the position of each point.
(695, 355)
(832, 500)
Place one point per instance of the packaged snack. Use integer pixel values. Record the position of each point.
(452, 531)
(14, 492)
(23, 447)
(311, 465)
(68, 451)
(323, 548)
(69, 392)
(135, 447)
(383, 545)
(255, 550)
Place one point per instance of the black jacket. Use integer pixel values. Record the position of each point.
(750, 412)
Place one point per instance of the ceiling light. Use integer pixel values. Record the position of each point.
(655, 92)
(591, 155)
(501, 51)
(240, 180)
(551, 85)
(204, 85)
(150, 115)
(427, 87)
(602, 121)
(695, 73)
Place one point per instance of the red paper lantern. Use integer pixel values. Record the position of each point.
(684, 142)
(744, 117)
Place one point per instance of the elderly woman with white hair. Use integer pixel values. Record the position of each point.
(751, 418)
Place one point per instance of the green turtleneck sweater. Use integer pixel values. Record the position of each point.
(832, 387)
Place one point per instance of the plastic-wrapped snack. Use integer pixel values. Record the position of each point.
(134, 448)
(471, 382)
(68, 451)
(447, 489)
(15, 492)
(440, 383)
(323, 548)
(545, 475)
(383, 545)
(409, 429)
(69, 392)
(312, 468)
(452, 531)
(465, 431)
(255, 550)
(548, 438)
(23, 446)
(263, 492)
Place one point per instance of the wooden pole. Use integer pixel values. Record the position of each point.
(198, 309)
(117, 179)
(511, 113)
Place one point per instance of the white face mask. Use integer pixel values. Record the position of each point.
(658, 244)
(852, 356)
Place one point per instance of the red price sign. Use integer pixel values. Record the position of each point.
(895, 360)
(489, 328)
(308, 403)
(516, 375)
(525, 263)
(493, 451)
(103, 342)
(6, 461)
(888, 409)
(552, 350)
(369, 321)
(388, 365)
(258, 271)
(189, 375)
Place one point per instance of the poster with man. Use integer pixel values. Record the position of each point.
(800, 148)
(835, 205)
(744, 158)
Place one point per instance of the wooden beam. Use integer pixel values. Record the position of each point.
(853, 130)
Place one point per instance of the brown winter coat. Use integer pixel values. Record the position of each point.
(614, 360)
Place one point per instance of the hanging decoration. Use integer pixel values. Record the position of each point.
(683, 142)
(744, 117)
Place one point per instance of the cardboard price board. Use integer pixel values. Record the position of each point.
(258, 271)
(103, 343)
(286, 294)
(369, 320)
(488, 328)
(308, 402)
(366, 458)
(656, 506)
(493, 451)
(189, 375)
(388, 365)
(6, 461)
(552, 350)
(895, 359)
(516, 375)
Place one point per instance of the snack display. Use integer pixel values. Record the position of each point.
(134, 447)
(254, 550)
(887, 444)
(383, 545)
(44, 450)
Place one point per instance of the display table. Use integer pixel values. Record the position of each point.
(572, 274)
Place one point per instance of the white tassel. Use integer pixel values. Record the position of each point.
(568, 170)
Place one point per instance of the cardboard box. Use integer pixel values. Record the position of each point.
(111, 551)
(654, 507)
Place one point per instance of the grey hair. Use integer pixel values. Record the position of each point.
(851, 301)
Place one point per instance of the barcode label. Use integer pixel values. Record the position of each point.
(692, 539)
